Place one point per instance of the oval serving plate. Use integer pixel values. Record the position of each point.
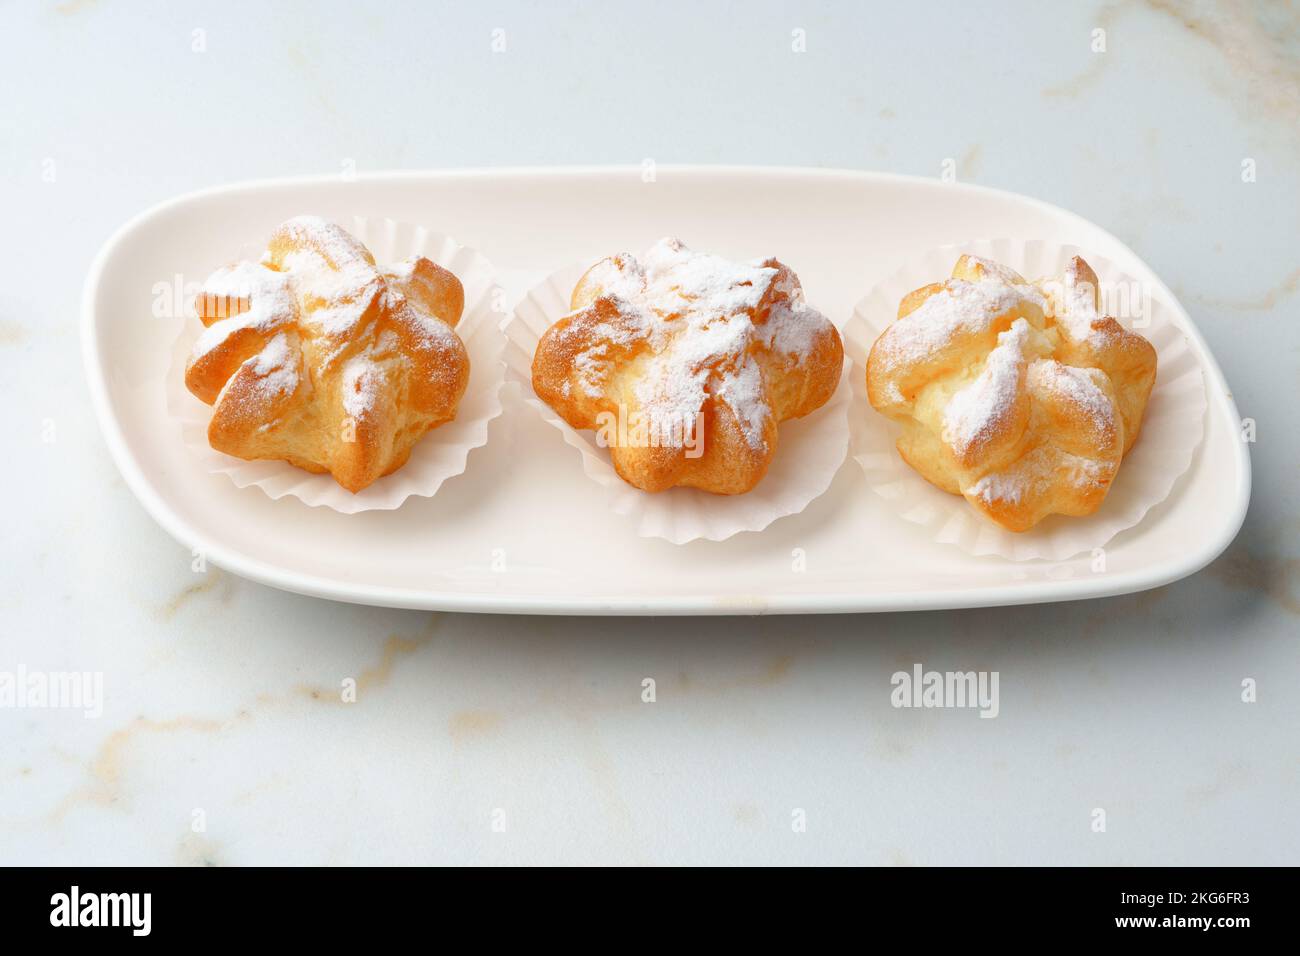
(518, 532)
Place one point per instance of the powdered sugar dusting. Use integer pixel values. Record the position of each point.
(334, 274)
(620, 276)
(974, 412)
(429, 328)
(275, 356)
(999, 487)
(593, 366)
(959, 306)
(361, 383)
(670, 397)
(337, 300)
(1074, 300)
(336, 245)
(264, 295)
(1077, 386)
(325, 279)
(743, 394)
(274, 373)
(276, 367)
(787, 331)
(250, 284)
(678, 279)
(998, 270)
(403, 271)
(701, 315)
(1038, 471)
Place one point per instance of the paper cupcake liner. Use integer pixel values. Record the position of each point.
(810, 450)
(441, 454)
(1172, 428)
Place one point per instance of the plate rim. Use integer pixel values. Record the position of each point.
(248, 566)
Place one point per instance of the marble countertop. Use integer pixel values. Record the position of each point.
(222, 736)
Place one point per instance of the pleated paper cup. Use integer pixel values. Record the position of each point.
(1172, 428)
(809, 450)
(441, 454)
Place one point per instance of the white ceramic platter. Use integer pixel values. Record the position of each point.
(520, 530)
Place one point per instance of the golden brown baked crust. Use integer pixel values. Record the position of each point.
(686, 363)
(1016, 395)
(316, 357)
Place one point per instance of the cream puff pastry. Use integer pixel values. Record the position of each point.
(702, 356)
(1017, 395)
(318, 357)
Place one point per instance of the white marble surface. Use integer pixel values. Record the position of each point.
(222, 696)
